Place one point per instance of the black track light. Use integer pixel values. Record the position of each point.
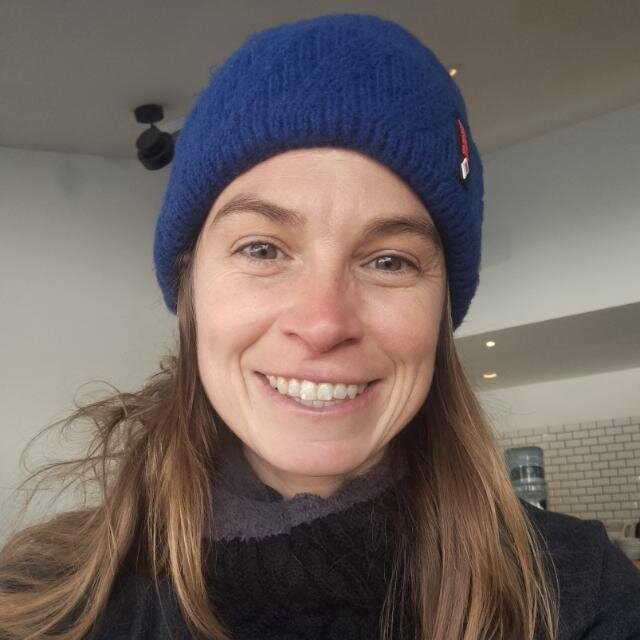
(155, 147)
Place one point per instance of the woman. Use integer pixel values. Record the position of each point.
(313, 462)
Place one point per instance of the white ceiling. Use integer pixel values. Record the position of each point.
(72, 71)
(569, 347)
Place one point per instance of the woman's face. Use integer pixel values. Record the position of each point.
(303, 272)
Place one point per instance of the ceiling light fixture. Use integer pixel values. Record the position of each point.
(490, 343)
(489, 376)
(155, 147)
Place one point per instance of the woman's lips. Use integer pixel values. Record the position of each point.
(340, 408)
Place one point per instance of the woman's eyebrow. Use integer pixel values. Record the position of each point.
(417, 225)
(245, 204)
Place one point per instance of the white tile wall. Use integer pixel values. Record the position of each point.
(592, 469)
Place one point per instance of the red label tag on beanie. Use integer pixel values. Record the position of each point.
(464, 151)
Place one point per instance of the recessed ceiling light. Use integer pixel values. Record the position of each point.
(489, 376)
(490, 343)
(453, 71)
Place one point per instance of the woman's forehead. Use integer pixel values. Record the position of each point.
(324, 181)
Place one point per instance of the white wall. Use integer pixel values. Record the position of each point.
(574, 400)
(561, 236)
(562, 225)
(590, 468)
(78, 296)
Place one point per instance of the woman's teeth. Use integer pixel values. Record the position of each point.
(311, 394)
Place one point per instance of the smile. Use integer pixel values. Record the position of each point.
(318, 395)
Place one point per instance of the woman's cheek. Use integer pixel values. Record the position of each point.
(234, 304)
(402, 313)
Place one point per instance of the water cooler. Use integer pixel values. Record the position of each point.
(526, 469)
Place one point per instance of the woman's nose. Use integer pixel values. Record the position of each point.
(322, 313)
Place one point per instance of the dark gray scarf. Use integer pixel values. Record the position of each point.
(247, 508)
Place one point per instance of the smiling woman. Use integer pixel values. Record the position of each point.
(313, 463)
(316, 305)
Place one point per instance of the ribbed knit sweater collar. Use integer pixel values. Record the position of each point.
(247, 508)
(307, 567)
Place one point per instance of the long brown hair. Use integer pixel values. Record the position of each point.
(467, 562)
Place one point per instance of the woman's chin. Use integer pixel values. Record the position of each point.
(308, 467)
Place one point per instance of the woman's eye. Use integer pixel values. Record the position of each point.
(259, 251)
(393, 264)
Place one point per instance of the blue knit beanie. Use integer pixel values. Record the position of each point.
(352, 81)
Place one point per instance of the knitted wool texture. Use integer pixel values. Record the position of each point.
(350, 81)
